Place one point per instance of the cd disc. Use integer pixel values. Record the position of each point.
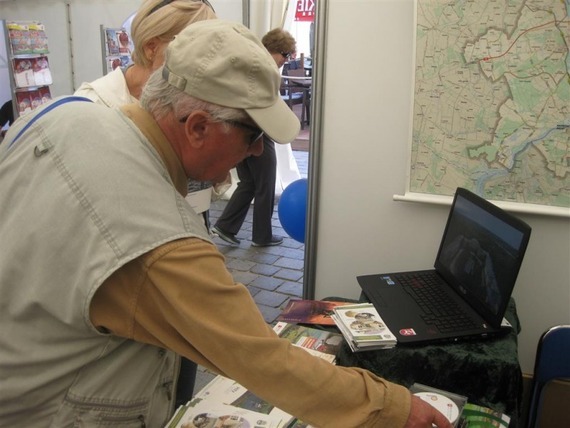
(441, 403)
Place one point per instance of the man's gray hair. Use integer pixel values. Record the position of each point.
(160, 98)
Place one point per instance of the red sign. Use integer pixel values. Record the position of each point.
(305, 10)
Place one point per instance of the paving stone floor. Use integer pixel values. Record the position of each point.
(272, 274)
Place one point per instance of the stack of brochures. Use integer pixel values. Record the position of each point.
(363, 328)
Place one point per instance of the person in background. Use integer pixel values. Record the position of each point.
(257, 174)
(6, 116)
(155, 24)
(107, 274)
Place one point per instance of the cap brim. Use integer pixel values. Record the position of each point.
(278, 121)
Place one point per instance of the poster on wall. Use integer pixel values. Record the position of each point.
(490, 107)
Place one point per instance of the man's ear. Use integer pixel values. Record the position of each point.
(197, 127)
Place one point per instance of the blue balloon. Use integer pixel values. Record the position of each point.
(292, 209)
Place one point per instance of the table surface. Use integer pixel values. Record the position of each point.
(299, 81)
(486, 371)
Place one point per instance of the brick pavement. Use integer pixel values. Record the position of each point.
(273, 275)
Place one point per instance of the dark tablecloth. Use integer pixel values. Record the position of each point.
(487, 371)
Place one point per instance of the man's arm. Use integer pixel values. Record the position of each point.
(181, 296)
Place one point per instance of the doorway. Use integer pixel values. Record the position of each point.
(275, 274)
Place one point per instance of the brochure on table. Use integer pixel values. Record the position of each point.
(225, 401)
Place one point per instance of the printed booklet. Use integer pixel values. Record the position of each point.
(321, 343)
(206, 414)
(363, 328)
(309, 312)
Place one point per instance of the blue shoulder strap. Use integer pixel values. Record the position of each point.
(44, 111)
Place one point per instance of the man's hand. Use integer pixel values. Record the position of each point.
(422, 415)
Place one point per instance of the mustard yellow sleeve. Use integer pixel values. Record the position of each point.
(182, 297)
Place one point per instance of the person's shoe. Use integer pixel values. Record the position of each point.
(230, 238)
(275, 240)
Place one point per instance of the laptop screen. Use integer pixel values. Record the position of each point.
(481, 252)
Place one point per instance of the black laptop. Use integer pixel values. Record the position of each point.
(466, 295)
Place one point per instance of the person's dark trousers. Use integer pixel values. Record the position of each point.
(186, 381)
(206, 215)
(257, 175)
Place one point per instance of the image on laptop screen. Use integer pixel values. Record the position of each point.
(481, 254)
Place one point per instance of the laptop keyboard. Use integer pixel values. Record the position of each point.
(438, 308)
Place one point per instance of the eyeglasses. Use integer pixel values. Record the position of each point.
(165, 2)
(255, 132)
(286, 55)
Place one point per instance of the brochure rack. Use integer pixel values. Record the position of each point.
(116, 47)
(30, 74)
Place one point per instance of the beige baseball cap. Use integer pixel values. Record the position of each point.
(224, 63)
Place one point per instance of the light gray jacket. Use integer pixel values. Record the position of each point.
(82, 193)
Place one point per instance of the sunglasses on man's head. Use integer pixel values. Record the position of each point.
(165, 2)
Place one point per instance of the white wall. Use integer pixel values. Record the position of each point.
(364, 150)
(73, 30)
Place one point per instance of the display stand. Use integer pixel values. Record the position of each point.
(116, 47)
(30, 75)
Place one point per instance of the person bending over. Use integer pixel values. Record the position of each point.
(108, 276)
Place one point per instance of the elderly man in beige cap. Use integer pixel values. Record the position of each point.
(107, 276)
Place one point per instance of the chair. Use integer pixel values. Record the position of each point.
(293, 93)
(552, 362)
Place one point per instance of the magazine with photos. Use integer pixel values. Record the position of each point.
(24, 102)
(42, 73)
(112, 41)
(222, 390)
(19, 36)
(309, 312)
(24, 72)
(118, 48)
(38, 38)
(199, 413)
(321, 343)
(363, 328)
(117, 61)
(45, 94)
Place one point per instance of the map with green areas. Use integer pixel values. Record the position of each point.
(491, 102)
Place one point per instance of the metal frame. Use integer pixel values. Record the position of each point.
(317, 102)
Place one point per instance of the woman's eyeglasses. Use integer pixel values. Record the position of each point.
(165, 2)
(286, 55)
